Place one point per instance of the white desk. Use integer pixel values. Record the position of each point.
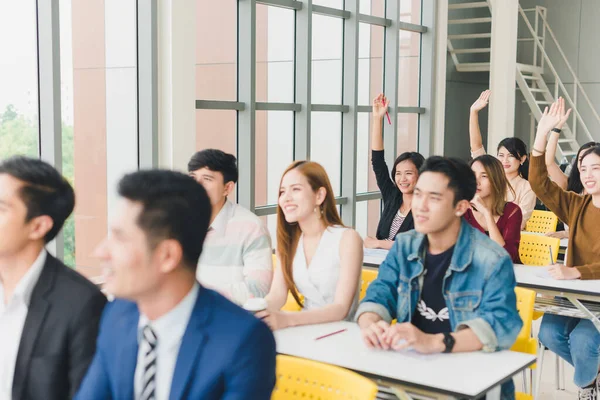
(573, 290)
(374, 257)
(467, 375)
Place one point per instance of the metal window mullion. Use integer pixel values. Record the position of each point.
(330, 12)
(147, 75)
(405, 26)
(289, 4)
(427, 77)
(372, 20)
(246, 119)
(265, 106)
(349, 119)
(50, 127)
(330, 108)
(390, 77)
(219, 105)
(303, 82)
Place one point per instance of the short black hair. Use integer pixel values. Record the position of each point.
(518, 149)
(174, 206)
(462, 179)
(416, 158)
(45, 191)
(217, 161)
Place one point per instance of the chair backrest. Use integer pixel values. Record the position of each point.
(542, 222)
(525, 302)
(535, 249)
(367, 276)
(298, 378)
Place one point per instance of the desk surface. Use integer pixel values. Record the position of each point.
(532, 277)
(467, 375)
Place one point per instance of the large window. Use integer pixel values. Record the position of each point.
(99, 116)
(18, 79)
(311, 99)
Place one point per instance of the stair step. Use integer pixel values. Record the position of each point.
(567, 141)
(569, 153)
(471, 51)
(536, 90)
(470, 36)
(473, 67)
(469, 21)
(530, 77)
(476, 4)
(543, 102)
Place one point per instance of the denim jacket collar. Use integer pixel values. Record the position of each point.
(463, 249)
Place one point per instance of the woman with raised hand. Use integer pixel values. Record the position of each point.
(512, 153)
(575, 340)
(572, 182)
(490, 212)
(312, 260)
(397, 190)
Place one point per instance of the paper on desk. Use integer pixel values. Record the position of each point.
(376, 253)
(543, 273)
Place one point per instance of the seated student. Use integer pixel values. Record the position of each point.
(512, 153)
(489, 212)
(572, 182)
(171, 338)
(49, 314)
(575, 340)
(237, 259)
(397, 191)
(318, 257)
(450, 287)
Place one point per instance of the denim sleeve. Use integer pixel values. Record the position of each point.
(382, 294)
(499, 322)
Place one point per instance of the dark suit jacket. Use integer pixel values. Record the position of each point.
(59, 335)
(226, 354)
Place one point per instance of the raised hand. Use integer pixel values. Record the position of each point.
(380, 106)
(564, 116)
(550, 118)
(482, 101)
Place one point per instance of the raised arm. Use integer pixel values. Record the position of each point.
(555, 198)
(380, 105)
(475, 140)
(554, 171)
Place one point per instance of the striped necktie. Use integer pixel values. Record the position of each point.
(149, 377)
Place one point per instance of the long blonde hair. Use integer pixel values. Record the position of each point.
(288, 234)
(499, 184)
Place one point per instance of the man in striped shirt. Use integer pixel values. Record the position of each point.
(237, 258)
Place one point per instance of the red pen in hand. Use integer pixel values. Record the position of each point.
(388, 117)
(331, 334)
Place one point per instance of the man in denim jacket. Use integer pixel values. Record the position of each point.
(450, 287)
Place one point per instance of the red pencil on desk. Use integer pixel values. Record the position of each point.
(332, 333)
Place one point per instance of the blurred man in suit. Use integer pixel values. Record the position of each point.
(49, 314)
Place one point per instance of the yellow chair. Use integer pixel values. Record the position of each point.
(542, 222)
(525, 343)
(535, 249)
(367, 276)
(298, 378)
(290, 304)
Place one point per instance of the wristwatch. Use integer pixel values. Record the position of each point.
(448, 342)
(556, 130)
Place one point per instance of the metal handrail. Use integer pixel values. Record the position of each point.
(558, 82)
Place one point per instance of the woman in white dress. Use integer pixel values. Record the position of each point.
(318, 257)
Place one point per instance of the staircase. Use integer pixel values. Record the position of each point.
(471, 52)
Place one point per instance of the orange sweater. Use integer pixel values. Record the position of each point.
(575, 210)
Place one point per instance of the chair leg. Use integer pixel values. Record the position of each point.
(524, 377)
(540, 364)
(557, 372)
(560, 367)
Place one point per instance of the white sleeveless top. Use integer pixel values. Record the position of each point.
(318, 282)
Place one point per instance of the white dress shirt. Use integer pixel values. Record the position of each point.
(169, 330)
(12, 319)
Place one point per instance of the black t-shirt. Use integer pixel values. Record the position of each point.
(431, 315)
